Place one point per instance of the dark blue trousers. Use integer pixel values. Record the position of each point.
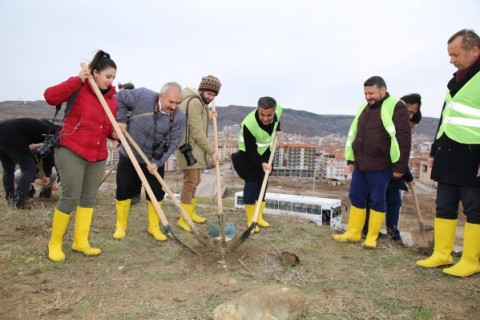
(394, 203)
(369, 188)
(251, 192)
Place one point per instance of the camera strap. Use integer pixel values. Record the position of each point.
(70, 103)
(187, 131)
(69, 107)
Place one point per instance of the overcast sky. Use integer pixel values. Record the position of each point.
(309, 55)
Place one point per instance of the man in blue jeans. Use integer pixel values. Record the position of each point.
(393, 194)
(377, 149)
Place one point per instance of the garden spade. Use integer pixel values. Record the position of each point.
(148, 189)
(201, 236)
(221, 230)
(420, 242)
(237, 241)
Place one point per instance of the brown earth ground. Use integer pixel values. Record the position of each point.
(140, 278)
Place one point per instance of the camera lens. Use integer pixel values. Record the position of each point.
(44, 150)
(186, 149)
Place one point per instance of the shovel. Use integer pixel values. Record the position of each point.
(148, 189)
(115, 166)
(222, 230)
(236, 242)
(201, 236)
(421, 242)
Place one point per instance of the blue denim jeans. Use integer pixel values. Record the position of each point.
(370, 183)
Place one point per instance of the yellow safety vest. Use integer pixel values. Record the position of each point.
(461, 115)
(388, 107)
(263, 139)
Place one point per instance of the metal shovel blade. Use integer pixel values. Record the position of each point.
(215, 230)
(169, 232)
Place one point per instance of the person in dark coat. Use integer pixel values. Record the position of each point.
(377, 150)
(16, 136)
(455, 160)
(393, 195)
(46, 174)
(259, 129)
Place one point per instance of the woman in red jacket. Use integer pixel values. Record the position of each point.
(82, 154)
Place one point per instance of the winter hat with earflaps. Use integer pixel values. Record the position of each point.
(210, 83)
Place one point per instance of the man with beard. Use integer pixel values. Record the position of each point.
(194, 147)
(377, 150)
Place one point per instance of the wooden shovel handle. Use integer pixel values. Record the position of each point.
(419, 213)
(217, 162)
(264, 182)
(160, 179)
(125, 144)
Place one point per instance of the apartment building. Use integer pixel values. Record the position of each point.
(333, 167)
(294, 160)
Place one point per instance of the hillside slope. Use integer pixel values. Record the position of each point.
(293, 121)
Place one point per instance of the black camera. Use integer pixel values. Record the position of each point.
(49, 144)
(186, 149)
(159, 148)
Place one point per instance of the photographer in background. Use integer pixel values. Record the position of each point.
(45, 163)
(156, 126)
(194, 146)
(16, 136)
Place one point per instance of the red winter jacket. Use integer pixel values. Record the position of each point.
(86, 127)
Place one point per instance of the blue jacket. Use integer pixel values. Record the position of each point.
(136, 107)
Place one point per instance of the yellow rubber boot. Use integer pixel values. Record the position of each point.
(83, 221)
(375, 222)
(262, 223)
(59, 227)
(123, 209)
(195, 217)
(444, 238)
(356, 220)
(250, 211)
(154, 222)
(469, 263)
(182, 223)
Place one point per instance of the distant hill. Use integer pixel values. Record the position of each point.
(26, 109)
(312, 124)
(293, 121)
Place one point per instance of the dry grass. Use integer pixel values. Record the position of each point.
(140, 278)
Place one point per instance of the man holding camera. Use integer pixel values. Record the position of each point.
(192, 155)
(16, 136)
(156, 126)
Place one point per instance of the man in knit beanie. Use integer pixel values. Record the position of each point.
(194, 148)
